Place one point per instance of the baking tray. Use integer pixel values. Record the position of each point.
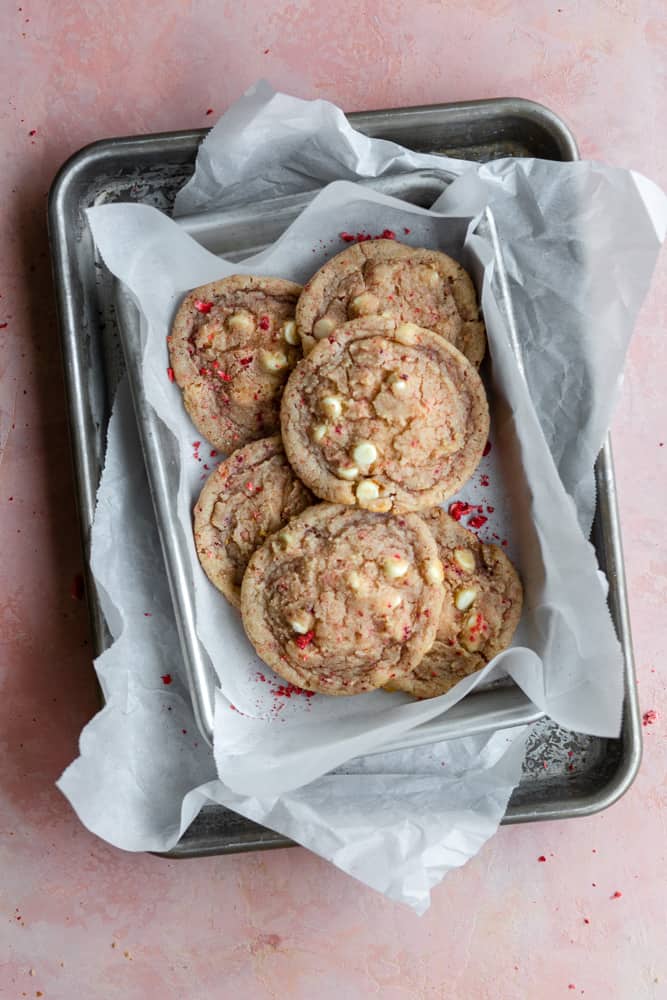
(236, 235)
(565, 774)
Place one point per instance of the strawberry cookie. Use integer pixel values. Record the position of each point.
(232, 346)
(342, 601)
(382, 277)
(480, 612)
(384, 415)
(248, 497)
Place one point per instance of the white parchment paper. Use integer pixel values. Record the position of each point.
(579, 242)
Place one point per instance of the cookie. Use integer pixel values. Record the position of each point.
(480, 612)
(383, 277)
(232, 345)
(341, 601)
(248, 497)
(384, 415)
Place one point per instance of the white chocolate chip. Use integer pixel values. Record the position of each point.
(241, 323)
(301, 623)
(465, 559)
(355, 580)
(273, 361)
(398, 384)
(379, 506)
(433, 277)
(289, 332)
(407, 333)
(394, 600)
(367, 490)
(218, 516)
(395, 567)
(332, 406)
(364, 305)
(464, 598)
(323, 327)
(319, 431)
(365, 453)
(284, 539)
(347, 472)
(435, 572)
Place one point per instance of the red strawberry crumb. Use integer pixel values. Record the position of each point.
(617, 895)
(33, 131)
(648, 718)
(213, 453)
(477, 522)
(170, 374)
(487, 449)
(347, 237)
(203, 307)
(459, 509)
(264, 323)
(541, 858)
(586, 920)
(209, 111)
(166, 678)
(246, 361)
(406, 230)
(224, 376)
(305, 640)
(388, 234)
(3, 326)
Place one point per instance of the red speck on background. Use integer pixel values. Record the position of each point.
(648, 718)
(406, 230)
(264, 323)
(209, 111)
(196, 444)
(586, 920)
(170, 374)
(305, 640)
(617, 895)
(3, 326)
(347, 237)
(388, 234)
(78, 588)
(478, 521)
(266, 51)
(490, 510)
(224, 376)
(148, 614)
(166, 678)
(487, 449)
(484, 480)
(213, 453)
(541, 858)
(33, 131)
(460, 509)
(203, 307)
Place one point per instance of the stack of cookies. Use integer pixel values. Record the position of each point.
(349, 409)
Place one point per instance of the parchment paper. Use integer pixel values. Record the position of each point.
(579, 241)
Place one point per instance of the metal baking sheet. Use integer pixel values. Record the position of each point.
(236, 235)
(565, 774)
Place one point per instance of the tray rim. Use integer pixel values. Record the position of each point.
(184, 143)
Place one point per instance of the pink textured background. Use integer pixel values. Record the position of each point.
(80, 919)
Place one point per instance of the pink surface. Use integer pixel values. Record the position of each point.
(80, 919)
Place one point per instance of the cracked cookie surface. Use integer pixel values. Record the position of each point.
(232, 345)
(385, 416)
(248, 497)
(341, 601)
(480, 612)
(383, 277)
